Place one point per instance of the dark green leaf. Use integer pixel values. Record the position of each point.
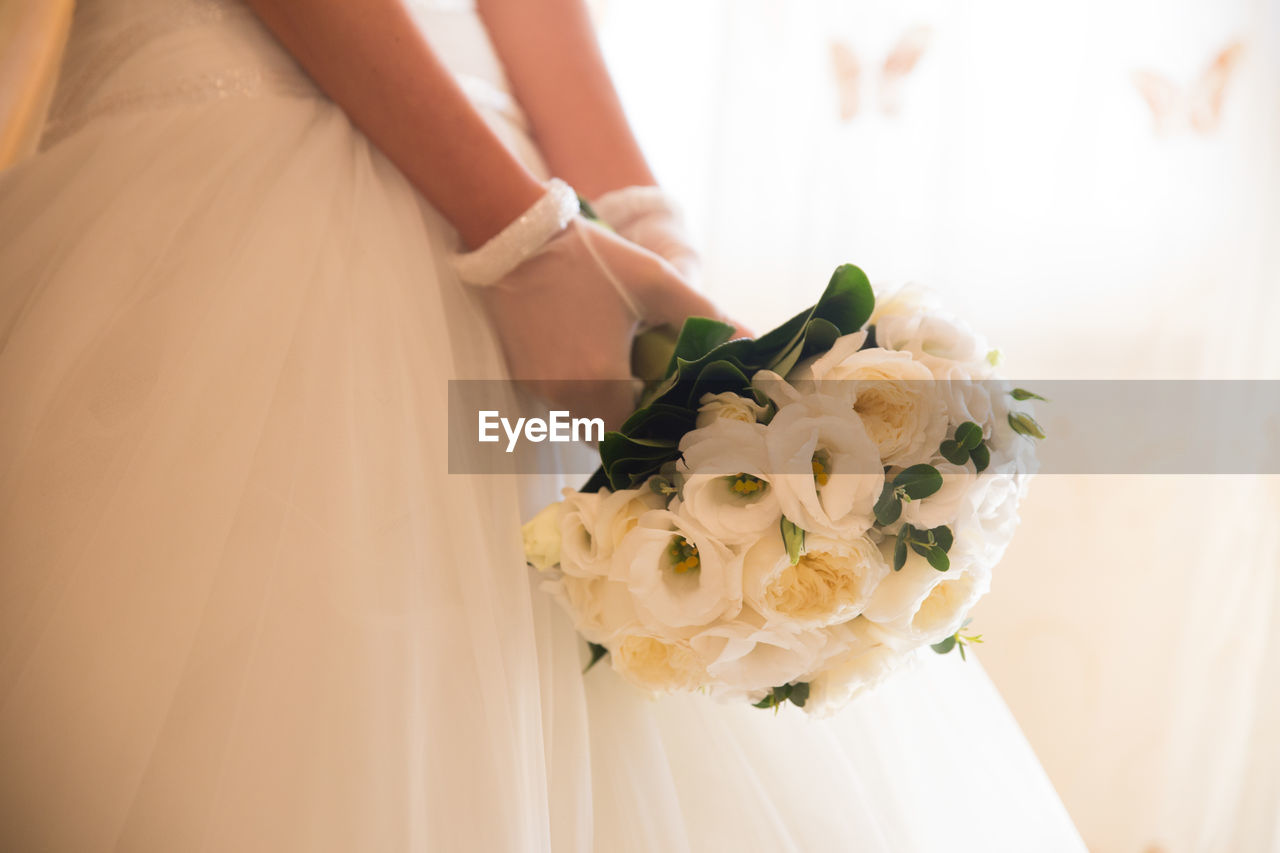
(1024, 424)
(799, 693)
(698, 337)
(918, 481)
(953, 452)
(942, 537)
(597, 651)
(900, 549)
(938, 559)
(1024, 394)
(945, 645)
(968, 435)
(888, 507)
(793, 539)
(981, 457)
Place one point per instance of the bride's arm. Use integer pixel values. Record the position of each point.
(370, 58)
(550, 52)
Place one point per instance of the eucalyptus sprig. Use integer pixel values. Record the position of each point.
(965, 445)
(797, 694)
(958, 641)
(932, 544)
(911, 484)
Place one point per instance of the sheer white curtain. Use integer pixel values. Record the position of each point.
(1097, 185)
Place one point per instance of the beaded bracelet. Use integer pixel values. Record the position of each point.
(516, 243)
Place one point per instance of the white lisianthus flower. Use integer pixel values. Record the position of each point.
(726, 488)
(859, 656)
(678, 574)
(601, 609)
(943, 506)
(894, 394)
(728, 406)
(541, 536)
(824, 466)
(656, 665)
(831, 583)
(594, 523)
(746, 659)
(945, 608)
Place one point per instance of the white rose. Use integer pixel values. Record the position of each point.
(541, 536)
(601, 609)
(899, 594)
(729, 406)
(923, 605)
(826, 470)
(831, 583)
(860, 655)
(726, 488)
(657, 665)
(594, 523)
(955, 355)
(945, 608)
(943, 506)
(895, 395)
(679, 575)
(746, 660)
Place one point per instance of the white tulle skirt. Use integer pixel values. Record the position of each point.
(243, 604)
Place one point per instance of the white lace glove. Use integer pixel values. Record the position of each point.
(648, 217)
(567, 306)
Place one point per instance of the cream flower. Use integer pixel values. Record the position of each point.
(657, 665)
(601, 609)
(726, 488)
(679, 575)
(831, 583)
(728, 406)
(894, 394)
(923, 605)
(825, 468)
(859, 656)
(746, 659)
(541, 536)
(594, 524)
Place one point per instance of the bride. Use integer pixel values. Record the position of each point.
(243, 603)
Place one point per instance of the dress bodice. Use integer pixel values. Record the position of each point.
(125, 55)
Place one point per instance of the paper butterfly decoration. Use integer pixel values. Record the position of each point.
(900, 62)
(1197, 107)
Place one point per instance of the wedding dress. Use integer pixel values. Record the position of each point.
(243, 603)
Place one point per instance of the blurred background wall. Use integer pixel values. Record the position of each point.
(1096, 186)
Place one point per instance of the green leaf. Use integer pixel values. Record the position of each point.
(698, 337)
(588, 212)
(900, 548)
(1024, 394)
(1024, 424)
(793, 539)
(597, 652)
(888, 507)
(968, 435)
(981, 457)
(799, 693)
(953, 452)
(918, 481)
(945, 645)
(938, 559)
(943, 537)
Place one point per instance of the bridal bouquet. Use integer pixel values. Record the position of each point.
(788, 519)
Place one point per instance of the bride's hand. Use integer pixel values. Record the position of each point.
(567, 316)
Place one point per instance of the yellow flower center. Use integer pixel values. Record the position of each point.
(746, 485)
(821, 468)
(684, 556)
